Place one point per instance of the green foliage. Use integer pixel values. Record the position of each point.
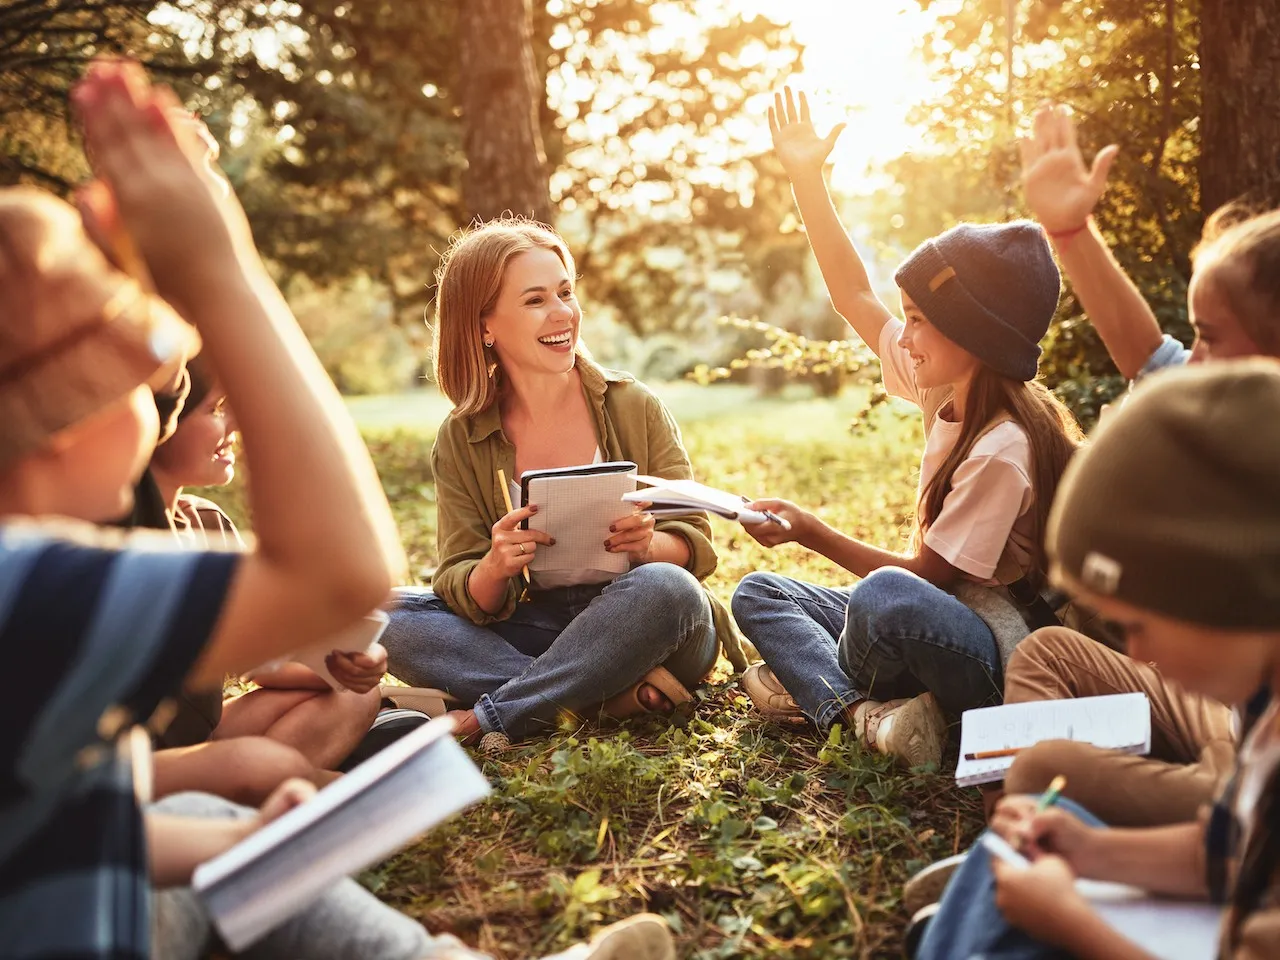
(1130, 73)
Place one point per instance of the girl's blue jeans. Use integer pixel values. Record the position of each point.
(891, 635)
(565, 650)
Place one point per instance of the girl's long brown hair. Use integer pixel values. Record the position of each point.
(1052, 431)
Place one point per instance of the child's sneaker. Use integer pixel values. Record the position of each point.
(769, 696)
(912, 730)
(642, 937)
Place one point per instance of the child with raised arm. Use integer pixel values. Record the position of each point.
(1167, 525)
(1234, 306)
(107, 625)
(930, 629)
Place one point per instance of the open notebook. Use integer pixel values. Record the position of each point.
(1118, 722)
(675, 497)
(576, 505)
(373, 811)
(1167, 929)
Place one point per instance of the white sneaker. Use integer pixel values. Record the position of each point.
(642, 937)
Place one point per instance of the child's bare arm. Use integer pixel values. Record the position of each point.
(803, 153)
(305, 581)
(176, 845)
(1062, 192)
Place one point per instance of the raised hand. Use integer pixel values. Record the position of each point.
(795, 141)
(161, 194)
(1060, 189)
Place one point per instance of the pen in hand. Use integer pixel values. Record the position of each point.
(772, 517)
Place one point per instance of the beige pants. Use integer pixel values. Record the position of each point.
(1192, 743)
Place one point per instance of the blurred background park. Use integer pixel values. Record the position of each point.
(361, 134)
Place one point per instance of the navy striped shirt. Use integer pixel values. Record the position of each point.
(103, 631)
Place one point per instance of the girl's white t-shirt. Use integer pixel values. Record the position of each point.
(986, 521)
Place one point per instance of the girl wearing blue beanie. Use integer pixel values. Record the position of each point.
(928, 630)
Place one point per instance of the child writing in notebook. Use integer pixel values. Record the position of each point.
(1234, 306)
(527, 396)
(928, 630)
(1168, 526)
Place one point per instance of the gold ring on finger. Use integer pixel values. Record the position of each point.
(521, 546)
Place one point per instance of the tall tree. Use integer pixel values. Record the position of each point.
(1240, 70)
(500, 95)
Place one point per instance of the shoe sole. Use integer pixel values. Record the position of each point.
(645, 937)
(923, 718)
(927, 886)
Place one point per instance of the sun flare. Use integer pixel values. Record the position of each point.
(861, 65)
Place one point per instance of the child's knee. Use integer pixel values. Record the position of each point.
(754, 591)
(889, 595)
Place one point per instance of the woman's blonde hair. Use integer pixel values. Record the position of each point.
(468, 282)
(1237, 236)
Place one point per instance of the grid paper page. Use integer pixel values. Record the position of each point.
(577, 511)
(1118, 722)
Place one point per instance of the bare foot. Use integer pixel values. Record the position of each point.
(653, 699)
(466, 726)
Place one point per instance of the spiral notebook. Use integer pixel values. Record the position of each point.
(1117, 722)
(577, 505)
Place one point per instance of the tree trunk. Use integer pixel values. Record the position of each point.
(506, 163)
(1239, 77)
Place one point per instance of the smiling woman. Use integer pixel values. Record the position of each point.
(527, 396)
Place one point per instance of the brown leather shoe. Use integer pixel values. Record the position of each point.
(769, 696)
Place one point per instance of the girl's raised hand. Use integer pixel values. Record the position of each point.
(797, 144)
(1061, 191)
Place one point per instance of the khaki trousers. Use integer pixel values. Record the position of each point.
(1192, 739)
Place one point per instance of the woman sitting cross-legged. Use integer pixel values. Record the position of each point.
(294, 724)
(929, 629)
(526, 397)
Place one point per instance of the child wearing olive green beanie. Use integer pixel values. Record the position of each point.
(1170, 524)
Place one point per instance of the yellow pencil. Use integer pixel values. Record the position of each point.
(1050, 796)
(506, 498)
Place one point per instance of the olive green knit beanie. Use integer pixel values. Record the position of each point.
(1174, 507)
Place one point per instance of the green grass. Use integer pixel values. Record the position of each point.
(752, 839)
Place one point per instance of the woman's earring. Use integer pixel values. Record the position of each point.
(493, 366)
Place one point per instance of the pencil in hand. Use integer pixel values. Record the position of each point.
(506, 498)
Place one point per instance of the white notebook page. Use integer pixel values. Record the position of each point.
(1118, 722)
(578, 511)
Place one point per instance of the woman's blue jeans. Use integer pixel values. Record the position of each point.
(969, 925)
(565, 650)
(891, 635)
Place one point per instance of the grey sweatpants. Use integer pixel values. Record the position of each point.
(346, 922)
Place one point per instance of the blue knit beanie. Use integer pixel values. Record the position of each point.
(991, 288)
